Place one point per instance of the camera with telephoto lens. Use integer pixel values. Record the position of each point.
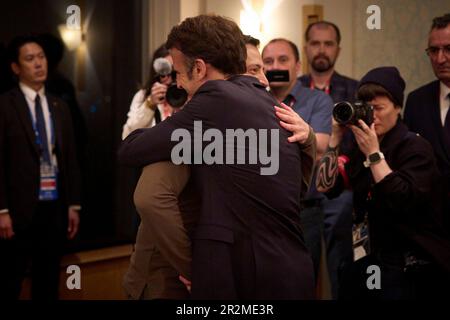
(349, 113)
(175, 96)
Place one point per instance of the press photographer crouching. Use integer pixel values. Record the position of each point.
(393, 175)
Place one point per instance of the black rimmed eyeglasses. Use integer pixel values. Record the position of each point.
(433, 52)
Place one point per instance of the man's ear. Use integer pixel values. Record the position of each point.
(200, 69)
(298, 67)
(15, 68)
(338, 52)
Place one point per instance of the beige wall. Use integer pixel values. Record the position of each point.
(402, 40)
(285, 21)
(340, 13)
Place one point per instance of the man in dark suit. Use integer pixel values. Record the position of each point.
(427, 108)
(39, 177)
(247, 243)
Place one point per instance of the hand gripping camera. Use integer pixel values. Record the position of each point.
(175, 96)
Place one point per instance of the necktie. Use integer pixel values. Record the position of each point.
(41, 130)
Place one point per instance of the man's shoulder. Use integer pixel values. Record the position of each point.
(426, 90)
(6, 98)
(305, 80)
(306, 95)
(344, 79)
(232, 82)
(237, 87)
(55, 100)
(10, 93)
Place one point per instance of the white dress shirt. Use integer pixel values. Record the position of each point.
(30, 97)
(444, 101)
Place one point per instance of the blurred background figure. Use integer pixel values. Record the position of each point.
(6, 80)
(39, 177)
(149, 105)
(254, 63)
(60, 86)
(314, 107)
(427, 109)
(322, 50)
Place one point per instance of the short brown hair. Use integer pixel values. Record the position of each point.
(251, 41)
(214, 39)
(323, 23)
(369, 91)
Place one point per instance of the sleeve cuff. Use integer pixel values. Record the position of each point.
(75, 207)
(4, 211)
(310, 140)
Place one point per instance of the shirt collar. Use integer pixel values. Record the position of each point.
(30, 93)
(297, 88)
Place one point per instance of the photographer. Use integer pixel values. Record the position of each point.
(149, 105)
(392, 173)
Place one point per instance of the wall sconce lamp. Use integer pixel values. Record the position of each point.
(73, 38)
(255, 13)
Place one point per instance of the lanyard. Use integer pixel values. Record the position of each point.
(36, 133)
(326, 89)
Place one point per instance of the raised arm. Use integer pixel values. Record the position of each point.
(327, 171)
(150, 145)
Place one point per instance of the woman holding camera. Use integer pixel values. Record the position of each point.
(149, 105)
(393, 173)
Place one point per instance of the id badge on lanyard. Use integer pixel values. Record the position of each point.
(48, 186)
(361, 240)
(361, 237)
(49, 182)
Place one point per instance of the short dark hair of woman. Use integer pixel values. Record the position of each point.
(370, 91)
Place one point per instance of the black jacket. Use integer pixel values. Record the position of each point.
(19, 157)
(423, 115)
(342, 88)
(404, 209)
(248, 243)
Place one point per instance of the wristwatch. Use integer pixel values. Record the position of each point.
(373, 158)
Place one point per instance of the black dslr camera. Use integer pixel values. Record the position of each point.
(349, 113)
(174, 96)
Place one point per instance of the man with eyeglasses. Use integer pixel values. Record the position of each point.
(427, 108)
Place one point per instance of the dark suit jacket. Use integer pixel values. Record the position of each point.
(422, 115)
(19, 157)
(247, 243)
(342, 88)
